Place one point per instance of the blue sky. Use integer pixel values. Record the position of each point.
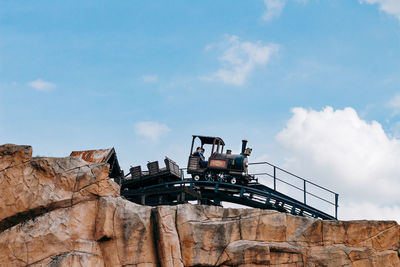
(143, 76)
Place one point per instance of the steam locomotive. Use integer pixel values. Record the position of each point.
(223, 167)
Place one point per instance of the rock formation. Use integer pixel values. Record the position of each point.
(67, 212)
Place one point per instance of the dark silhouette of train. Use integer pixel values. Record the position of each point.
(208, 182)
(220, 166)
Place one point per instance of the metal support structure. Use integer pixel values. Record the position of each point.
(251, 194)
(216, 188)
(303, 188)
(217, 200)
(241, 192)
(268, 199)
(336, 204)
(293, 210)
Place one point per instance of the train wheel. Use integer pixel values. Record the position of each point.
(209, 176)
(221, 177)
(233, 180)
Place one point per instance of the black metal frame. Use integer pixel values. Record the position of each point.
(208, 140)
(165, 191)
(305, 182)
(261, 197)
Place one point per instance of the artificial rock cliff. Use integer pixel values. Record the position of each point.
(67, 212)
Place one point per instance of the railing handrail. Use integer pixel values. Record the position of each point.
(301, 189)
(305, 182)
(301, 178)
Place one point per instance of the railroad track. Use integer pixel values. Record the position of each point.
(213, 193)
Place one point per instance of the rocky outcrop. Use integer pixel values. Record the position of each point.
(67, 212)
(213, 236)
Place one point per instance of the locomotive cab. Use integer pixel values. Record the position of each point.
(196, 164)
(223, 167)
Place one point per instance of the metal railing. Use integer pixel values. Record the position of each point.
(304, 183)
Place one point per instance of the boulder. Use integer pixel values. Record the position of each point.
(33, 186)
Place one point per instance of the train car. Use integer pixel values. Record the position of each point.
(154, 175)
(220, 166)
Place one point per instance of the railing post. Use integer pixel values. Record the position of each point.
(336, 204)
(216, 188)
(274, 178)
(305, 192)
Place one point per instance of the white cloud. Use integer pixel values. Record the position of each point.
(150, 78)
(369, 211)
(354, 157)
(391, 7)
(151, 130)
(395, 129)
(41, 85)
(394, 104)
(273, 9)
(239, 59)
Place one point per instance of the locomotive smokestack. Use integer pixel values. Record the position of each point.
(244, 143)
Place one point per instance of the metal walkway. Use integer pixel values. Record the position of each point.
(254, 195)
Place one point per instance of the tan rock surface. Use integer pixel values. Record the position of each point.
(11, 155)
(216, 236)
(66, 212)
(32, 186)
(54, 233)
(168, 244)
(124, 231)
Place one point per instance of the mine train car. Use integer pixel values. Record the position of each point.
(223, 167)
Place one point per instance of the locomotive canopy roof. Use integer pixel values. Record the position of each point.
(209, 139)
